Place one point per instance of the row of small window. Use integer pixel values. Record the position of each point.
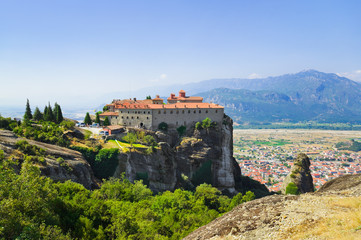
(132, 117)
(183, 111)
(137, 112)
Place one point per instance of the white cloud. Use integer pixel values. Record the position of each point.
(354, 75)
(254, 75)
(163, 76)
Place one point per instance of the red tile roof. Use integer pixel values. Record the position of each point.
(169, 106)
(109, 114)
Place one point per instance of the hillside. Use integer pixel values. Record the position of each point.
(305, 96)
(331, 213)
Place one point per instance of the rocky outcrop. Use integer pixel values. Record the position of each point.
(71, 167)
(204, 155)
(300, 176)
(306, 216)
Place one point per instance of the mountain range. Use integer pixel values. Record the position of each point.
(305, 96)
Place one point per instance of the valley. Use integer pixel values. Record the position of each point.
(266, 155)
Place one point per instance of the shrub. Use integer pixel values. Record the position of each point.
(198, 125)
(181, 130)
(292, 189)
(206, 123)
(163, 126)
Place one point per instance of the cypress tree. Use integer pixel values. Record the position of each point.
(97, 119)
(37, 115)
(106, 121)
(51, 113)
(46, 114)
(87, 119)
(58, 113)
(27, 115)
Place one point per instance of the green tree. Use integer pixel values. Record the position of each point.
(97, 118)
(27, 115)
(105, 108)
(106, 121)
(181, 130)
(131, 138)
(206, 123)
(37, 115)
(48, 114)
(149, 97)
(163, 126)
(58, 115)
(87, 119)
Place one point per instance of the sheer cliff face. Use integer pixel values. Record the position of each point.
(204, 156)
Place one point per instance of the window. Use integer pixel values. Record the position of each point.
(216, 111)
(200, 111)
(171, 112)
(165, 112)
(194, 111)
(148, 112)
(185, 123)
(177, 111)
(159, 112)
(137, 117)
(147, 117)
(122, 117)
(176, 123)
(189, 111)
(127, 117)
(183, 111)
(132, 117)
(128, 111)
(206, 111)
(144, 112)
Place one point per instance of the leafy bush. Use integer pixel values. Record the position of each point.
(292, 189)
(181, 130)
(206, 123)
(150, 141)
(163, 126)
(47, 132)
(198, 125)
(29, 149)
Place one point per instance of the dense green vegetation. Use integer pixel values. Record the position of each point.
(48, 132)
(354, 146)
(34, 207)
(292, 189)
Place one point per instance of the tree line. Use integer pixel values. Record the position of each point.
(49, 114)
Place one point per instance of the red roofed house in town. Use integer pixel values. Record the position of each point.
(149, 113)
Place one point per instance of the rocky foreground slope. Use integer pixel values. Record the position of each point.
(333, 212)
(72, 166)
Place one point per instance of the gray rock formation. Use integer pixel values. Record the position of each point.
(74, 167)
(206, 155)
(300, 175)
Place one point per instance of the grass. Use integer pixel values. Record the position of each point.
(113, 144)
(279, 142)
(344, 223)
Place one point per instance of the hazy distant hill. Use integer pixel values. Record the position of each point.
(308, 95)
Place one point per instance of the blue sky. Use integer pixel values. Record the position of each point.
(71, 51)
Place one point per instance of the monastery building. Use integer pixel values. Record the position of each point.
(149, 113)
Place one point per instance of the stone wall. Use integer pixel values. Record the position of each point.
(186, 117)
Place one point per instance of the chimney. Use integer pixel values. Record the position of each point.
(135, 99)
(172, 95)
(157, 96)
